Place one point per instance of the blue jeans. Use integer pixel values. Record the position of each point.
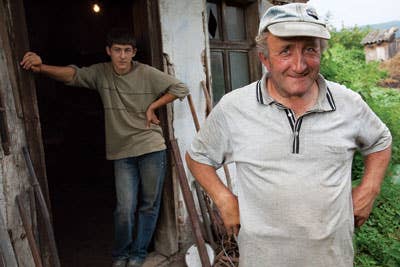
(138, 181)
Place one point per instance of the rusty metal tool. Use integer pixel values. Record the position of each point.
(190, 206)
(43, 209)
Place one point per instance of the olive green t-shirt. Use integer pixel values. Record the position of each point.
(125, 100)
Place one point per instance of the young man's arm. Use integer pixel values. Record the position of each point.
(151, 116)
(364, 195)
(224, 199)
(33, 62)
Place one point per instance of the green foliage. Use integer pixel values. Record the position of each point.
(350, 38)
(377, 242)
(386, 104)
(348, 67)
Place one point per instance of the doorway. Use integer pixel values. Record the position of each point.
(80, 180)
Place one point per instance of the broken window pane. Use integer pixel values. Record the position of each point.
(217, 73)
(235, 23)
(239, 69)
(213, 23)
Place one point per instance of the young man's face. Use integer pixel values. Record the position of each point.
(121, 57)
(293, 64)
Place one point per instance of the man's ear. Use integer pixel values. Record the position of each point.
(134, 51)
(108, 50)
(264, 60)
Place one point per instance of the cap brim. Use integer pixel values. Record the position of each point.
(299, 28)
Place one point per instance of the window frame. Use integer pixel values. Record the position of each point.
(251, 20)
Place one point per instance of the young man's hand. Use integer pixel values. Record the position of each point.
(31, 61)
(151, 117)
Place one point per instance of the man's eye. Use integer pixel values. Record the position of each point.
(285, 51)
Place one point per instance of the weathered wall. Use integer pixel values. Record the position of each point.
(184, 41)
(379, 52)
(13, 172)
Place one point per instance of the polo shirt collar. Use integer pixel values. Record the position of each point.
(325, 101)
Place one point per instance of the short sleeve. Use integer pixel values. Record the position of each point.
(85, 77)
(162, 82)
(373, 135)
(212, 144)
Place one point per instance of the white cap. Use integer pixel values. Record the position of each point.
(295, 19)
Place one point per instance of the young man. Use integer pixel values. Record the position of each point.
(292, 136)
(130, 92)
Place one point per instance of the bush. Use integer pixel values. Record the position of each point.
(377, 242)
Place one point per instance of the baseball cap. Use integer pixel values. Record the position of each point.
(296, 19)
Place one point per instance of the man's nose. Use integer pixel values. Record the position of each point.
(299, 62)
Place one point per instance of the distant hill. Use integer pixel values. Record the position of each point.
(386, 25)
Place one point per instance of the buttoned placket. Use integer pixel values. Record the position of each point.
(295, 123)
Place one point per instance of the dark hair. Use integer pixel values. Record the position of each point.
(120, 36)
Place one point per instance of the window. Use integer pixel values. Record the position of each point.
(232, 26)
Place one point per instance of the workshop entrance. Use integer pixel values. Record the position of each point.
(80, 180)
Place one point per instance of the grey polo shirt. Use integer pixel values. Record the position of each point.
(293, 175)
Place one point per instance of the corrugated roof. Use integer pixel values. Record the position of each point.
(379, 36)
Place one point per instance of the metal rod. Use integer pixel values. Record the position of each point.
(33, 209)
(188, 198)
(209, 104)
(200, 193)
(209, 107)
(29, 232)
(43, 209)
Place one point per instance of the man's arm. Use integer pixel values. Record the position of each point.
(364, 195)
(33, 62)
(151, 116)
(224, 199)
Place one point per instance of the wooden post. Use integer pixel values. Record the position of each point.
(7, 255)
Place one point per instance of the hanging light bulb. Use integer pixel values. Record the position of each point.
(96, 8)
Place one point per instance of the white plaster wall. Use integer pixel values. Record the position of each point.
(183, 39)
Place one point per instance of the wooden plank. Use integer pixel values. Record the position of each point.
(28, 231)
(7, 255)
(6, 45)
(18, 38)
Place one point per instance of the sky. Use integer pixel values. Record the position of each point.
(357, 12)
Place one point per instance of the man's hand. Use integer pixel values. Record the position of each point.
(363, 202)
(151, 117)
(228, 207)
(31, 61)
(364, 195)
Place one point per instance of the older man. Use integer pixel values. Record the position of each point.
(292, 135)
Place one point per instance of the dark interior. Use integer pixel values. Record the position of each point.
(80, 179)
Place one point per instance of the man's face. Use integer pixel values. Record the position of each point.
(121, 57)
(293, 64)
